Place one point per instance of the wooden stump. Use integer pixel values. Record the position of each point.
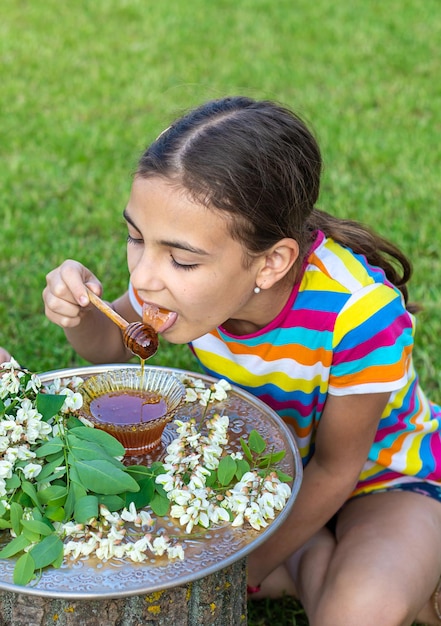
(215, 600)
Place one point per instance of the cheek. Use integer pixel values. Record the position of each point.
(133, 257)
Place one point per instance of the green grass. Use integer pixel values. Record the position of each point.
(86, 85)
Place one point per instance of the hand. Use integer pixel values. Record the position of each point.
(65, 295)
(4, 355)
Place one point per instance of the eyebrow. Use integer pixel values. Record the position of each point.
(169, 243)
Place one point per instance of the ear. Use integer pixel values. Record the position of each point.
(277, 262)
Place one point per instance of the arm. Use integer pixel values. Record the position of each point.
(95, 337)
(344, 436)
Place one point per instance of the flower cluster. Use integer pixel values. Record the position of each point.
(199, 491)
(197, 391)
(256, 499)
(107, 537)
(20, 427)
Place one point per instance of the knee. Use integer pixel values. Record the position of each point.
(364, 605)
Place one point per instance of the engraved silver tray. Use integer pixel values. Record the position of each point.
(205, 552)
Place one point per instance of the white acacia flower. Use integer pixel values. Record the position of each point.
(130, 514)
(166, 480)
(160, 545)
(238, 520)
(4, 443)
(105, 550)
(89, 546)
(190, 395)
(112, 518)
(266, 504)
(31, 470)
(26, 411)
(236, 502)
(237, 456)
(254, 516)
(145, 519)
(34, 384)
(10, 385)
(176, 552)
(73, 549)
(85, 421)
(24, 453)
(73, 402)
(218, 514)
(6, 468)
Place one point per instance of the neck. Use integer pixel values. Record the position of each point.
(261, 309)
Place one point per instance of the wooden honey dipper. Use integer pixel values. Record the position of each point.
(139, 338)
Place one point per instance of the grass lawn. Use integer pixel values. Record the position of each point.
(86, 85)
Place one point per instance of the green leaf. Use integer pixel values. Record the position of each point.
(246, 450)
(242, 468)
(56, 563)
(160, 505)
(32, 536)
(112, 445)
(4, 523)
(55, 513)
(140, 472)
(73, 422)
(76, 491)
(211, 478)
(12, 483)
(285, 478)
(226, 470)
(16, 514)
(51, 446)
(86, 508)
(49, 404)
(113, 503)
(256, 442)
(30, 490)
(37, 527)
(271, 459)
(24, 570)
(47, 551)
(144, 496)
(16, 545)
(54, 494)
(48, 473)
(82, 450)
(103, 477)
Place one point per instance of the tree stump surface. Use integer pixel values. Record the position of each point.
(215, 600)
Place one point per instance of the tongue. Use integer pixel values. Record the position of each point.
(158, 319)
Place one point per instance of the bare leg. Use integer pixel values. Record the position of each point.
(384, 568)
(381, 568)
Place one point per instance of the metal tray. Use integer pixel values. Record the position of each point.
(205, 554)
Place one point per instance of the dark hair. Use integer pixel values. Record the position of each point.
(258, 161)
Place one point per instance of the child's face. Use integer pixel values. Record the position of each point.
(181, 257)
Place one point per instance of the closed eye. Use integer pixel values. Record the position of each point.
(134, 240)
(182, 266)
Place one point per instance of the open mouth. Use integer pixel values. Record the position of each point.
(158, 318)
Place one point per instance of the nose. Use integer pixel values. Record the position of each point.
(145, 275)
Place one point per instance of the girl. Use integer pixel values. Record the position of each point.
(307, 312)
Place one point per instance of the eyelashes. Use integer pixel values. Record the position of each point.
(179, 266)
(131, 239)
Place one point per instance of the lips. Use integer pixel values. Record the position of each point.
(158, 318)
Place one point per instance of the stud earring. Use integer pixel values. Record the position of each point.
(256, 289)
